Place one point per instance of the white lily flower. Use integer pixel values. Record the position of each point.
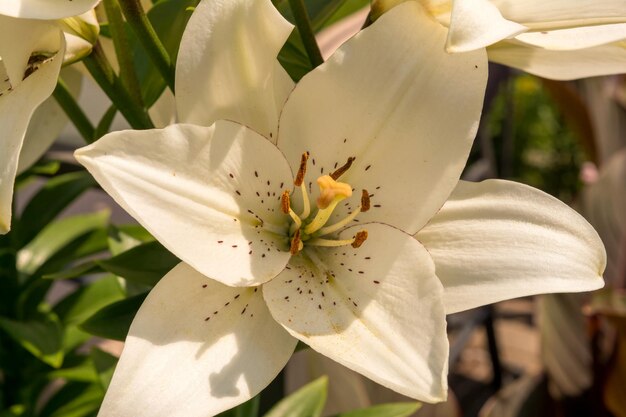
(31, 54)
(47, 122)
(383, 128)
(45, 9)
(557, 39)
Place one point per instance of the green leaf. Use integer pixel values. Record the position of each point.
(75, 399)
(105, 123)
(384, 410)
(169, 19)
(16, 410)
(294, 58)
(143, 264)
(104, 364)
(57, 235)
(73, 337)
(42, 167)
(54, 196)
(333, 11)
(79, 270)
(42, 337)
(88, 299)
(123, 238)
(113, 321)
(322, 13)
(248, 409)
(308, 401)
(82, 372)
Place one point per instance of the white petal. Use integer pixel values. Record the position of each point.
(552, 14)
(77, 49)
(565, 345)
(476, 24)
(575, 38)
(47, 122)
(176, 363)
(163, 111)
(377, 310)
(195, 189)
(387, 97)
(20, 96)
(227, 67)
(497, 240)
(561, 65)
(45, 9)
(603, 204)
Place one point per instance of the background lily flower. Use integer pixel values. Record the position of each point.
(31, 54)
(560, 40)
(264, 267)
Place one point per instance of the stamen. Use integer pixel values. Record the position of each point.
(365, 205)
(305, 202)
(359, 239)
(340, 224)
(302, 170)
(285, 207)
(329, 242)
(342, 169)
(365, 201)
(296, 243)
(322, 217)
(284, 202)
(355, 242)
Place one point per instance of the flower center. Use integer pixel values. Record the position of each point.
(307, 229)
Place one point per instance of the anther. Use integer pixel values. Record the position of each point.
(365, 201)
(302, 170)
(342, 169)
(285, 207)
(284, 202)
(359, 239)
(296, 243)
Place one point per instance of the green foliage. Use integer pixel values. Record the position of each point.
(54, 196)
(308, 401)
(143, 264)
(384, 410)
(248, 409)
(41, 336)
(322, 13)
(113, 321)
(533, 143)
(169, 19)
(87, 300)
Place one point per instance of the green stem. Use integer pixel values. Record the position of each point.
(139, 22)
(306, 32)
(128, 75)
(101, 70)
(74, 111)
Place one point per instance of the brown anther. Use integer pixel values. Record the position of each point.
(342, 169)
(302, 170)
(359, 239)
(284, 202)
(295, 243)
(365, 201)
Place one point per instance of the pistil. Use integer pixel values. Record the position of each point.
(365, 206)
